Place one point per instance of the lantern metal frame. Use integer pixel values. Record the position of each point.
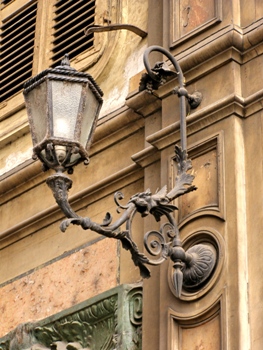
(46, 149)
(191, 268)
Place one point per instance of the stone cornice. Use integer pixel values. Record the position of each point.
(224, 108)
(146, 157)
(115, 127)
(242, 40)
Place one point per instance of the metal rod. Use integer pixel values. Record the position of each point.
(98, 28)
(182, 92)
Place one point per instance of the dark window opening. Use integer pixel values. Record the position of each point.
(5, 2)
(71, 18)
(16, 50)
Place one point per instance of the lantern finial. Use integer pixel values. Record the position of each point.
(65, 61)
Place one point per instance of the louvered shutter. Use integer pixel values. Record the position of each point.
(5, 2)
(71, 18)
(17, 49)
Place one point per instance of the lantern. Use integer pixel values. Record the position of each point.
(63, 107)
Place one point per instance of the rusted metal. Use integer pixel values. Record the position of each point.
(100, 29)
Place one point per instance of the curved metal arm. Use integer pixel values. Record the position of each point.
(60, 184)
(156, 74)
(160, 244)
(168, 55)
(182, 92)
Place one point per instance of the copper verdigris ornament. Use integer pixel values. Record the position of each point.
(61, 151)
(112, 320)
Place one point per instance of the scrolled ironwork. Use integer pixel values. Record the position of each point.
(117, 197)
(192, 267)
(156, 245)
(162, 244)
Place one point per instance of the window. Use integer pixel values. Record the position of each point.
(17, 49)
(18, 35)
(36, 34)
(71, 17)
(5, 2)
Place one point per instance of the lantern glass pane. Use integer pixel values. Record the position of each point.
(90, 115)
(65, 106)
(36, 103)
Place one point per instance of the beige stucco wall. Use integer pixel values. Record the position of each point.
(43, 271)
(35, 254)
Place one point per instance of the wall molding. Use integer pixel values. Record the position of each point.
(202, 118)
(177, 22)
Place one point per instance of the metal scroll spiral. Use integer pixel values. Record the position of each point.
(156, 243)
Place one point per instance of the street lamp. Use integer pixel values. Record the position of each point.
(63, 107)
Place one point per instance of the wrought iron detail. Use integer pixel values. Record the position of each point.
(162, 244)
(50, 155)
(191, 268)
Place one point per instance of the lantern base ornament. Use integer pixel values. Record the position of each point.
(60, 156)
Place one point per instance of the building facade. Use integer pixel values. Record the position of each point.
(80, 290)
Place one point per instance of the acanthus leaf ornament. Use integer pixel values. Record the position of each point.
(111, 320)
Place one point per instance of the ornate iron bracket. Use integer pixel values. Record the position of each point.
(193, 267)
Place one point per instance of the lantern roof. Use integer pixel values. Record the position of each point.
(64, 72)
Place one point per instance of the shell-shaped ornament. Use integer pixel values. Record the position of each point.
(201, 261)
